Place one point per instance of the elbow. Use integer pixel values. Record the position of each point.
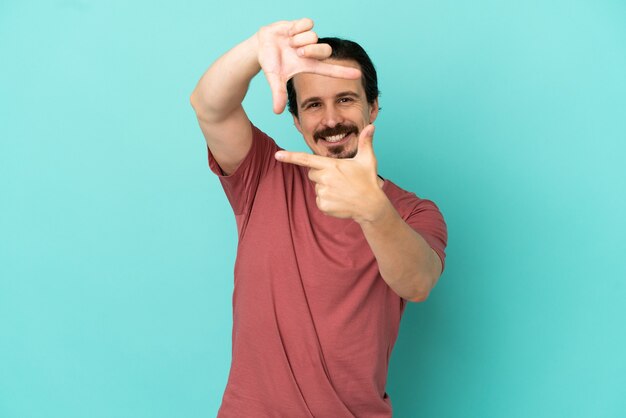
(204, 112)
(419, 296)
(198, 102)
(421, 291)
(193, 100)
(199, 108)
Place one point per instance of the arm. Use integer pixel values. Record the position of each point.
(349, 188)
(282, 50)
(217, 101)
(406, 262)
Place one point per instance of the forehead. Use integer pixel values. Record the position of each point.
(309, 85)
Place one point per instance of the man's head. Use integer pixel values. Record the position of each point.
(331, 112)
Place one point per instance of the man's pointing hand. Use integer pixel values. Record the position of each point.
(345, 188)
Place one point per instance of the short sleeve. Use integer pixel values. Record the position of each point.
(426, 219)
(241, 185)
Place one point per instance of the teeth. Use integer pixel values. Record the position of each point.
(335, 138)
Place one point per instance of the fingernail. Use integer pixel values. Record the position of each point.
(300, 52)
(278, 155)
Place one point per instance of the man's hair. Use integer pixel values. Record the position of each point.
(344, 49)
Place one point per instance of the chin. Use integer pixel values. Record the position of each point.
(340, 152)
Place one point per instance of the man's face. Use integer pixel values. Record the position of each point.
(332, 112)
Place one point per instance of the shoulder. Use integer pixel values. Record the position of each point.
(403, 200)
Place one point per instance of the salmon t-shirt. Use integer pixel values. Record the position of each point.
(314, 323)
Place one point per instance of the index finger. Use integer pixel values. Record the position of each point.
(303, 159)
(333, 70)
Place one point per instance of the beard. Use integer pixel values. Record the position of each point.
(339, 151)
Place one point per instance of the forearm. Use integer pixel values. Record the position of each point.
(406, 261)
(223, 86)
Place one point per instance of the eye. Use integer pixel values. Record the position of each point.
(345, 100)
(312, 105)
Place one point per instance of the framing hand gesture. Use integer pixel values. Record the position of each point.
(345, 188)
(287, 48)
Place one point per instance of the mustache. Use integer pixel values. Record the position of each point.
(336, 130)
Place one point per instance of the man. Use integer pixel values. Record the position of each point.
(329, 252)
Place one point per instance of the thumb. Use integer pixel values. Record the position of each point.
(366, 139)
(279, 92)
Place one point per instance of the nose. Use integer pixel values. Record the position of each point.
(332, 116)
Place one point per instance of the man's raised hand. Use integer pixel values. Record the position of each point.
(345, 188)
(287, 48)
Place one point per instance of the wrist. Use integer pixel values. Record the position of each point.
(376, 208)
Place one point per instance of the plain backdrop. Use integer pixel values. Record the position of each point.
(117, 244)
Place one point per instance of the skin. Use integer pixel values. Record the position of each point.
(329, 94)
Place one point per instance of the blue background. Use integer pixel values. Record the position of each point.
(117, 243)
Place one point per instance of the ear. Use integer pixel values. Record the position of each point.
(296, 122)
(373, 110)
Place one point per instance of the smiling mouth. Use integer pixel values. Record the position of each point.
(336, 141)
(335, 138)
(336, 135)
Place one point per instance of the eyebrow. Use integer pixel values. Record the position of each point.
(341, 94)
